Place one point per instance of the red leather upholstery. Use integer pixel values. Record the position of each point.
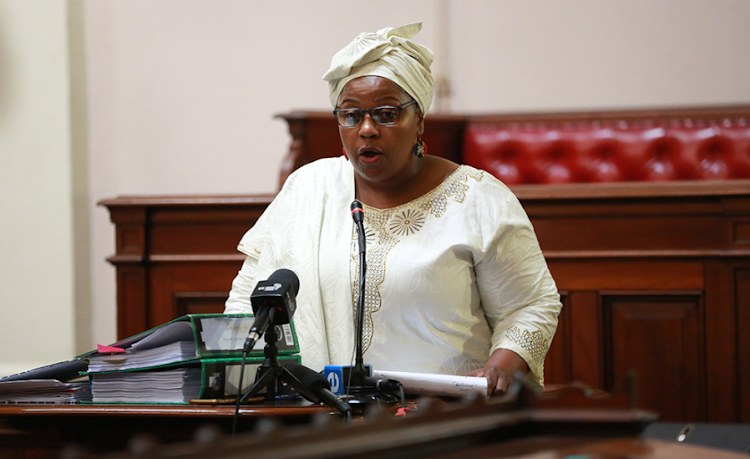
(610, 151)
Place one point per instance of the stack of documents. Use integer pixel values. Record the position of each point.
(44, 391)
(170, 343)
(134, 357)
(192, 357)
(178, 385)
(56, 383)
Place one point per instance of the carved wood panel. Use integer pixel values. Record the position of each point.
(660, 337)
(177, 288)
(199, 302)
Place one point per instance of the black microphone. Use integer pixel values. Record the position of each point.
(358, 214)
(319, 386)
(358, 373)
(274, 302)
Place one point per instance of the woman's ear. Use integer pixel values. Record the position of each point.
(420, 122)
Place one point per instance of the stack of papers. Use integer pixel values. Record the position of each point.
(178, 385)
(44, 391)
(56, 383)
(136, 357)
(171, 343)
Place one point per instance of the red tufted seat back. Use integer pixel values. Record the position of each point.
(608, 151)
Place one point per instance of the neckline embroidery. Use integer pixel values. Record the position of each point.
(387, 227)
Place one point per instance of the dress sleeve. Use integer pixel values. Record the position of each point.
(519, 296)
(242, 286)
(253, 243)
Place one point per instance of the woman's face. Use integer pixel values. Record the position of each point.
(381, 154)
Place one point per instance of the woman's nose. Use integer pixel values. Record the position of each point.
(368, 128)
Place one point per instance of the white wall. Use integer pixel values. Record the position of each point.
(178, 97)
(36, 240)
(579, 54)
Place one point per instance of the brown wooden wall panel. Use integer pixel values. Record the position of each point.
(721, 341)
(166, 239)
(169, 246)
(742, 287)
(587, 334)
(660, 338)
(586, 274)
(174, 287)
(635, 233)
(175, 230)
(132, 301)
(558, 363)
(200, 302)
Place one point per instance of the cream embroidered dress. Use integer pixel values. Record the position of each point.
(451, 276)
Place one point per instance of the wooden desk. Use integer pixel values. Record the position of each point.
(41, 431)
(560, 424)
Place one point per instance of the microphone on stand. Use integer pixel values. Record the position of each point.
(358, 373)
(319, 386)
(274, 302)
(357, 382)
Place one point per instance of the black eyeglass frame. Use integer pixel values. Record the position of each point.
(369, 111)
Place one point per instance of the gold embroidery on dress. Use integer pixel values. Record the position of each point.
(534, 343)
(385, 228)
(406, 222)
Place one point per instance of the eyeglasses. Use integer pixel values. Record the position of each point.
(384, 116)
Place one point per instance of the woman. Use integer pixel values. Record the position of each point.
(456, 282)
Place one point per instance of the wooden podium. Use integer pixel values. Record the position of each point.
(562, 423)
(42, 431)
(654, 277)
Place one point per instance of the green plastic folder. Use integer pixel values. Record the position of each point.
(178, 383)
(190, 337)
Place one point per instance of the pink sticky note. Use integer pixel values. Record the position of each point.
(108, 349)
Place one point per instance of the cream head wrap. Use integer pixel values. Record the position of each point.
(387, 53)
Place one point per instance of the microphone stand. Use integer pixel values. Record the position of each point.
(268, 376)
(360, 386)
(271, 372)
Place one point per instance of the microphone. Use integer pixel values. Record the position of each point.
(358, 214)
(274, 302)
(318, 384)
(358, 379)
(338, 375)
(358, 373)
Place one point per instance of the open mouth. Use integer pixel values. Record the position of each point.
(369, 154)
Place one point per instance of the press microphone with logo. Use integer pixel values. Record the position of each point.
(338, 375)
(274, 302)
(319, 386)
